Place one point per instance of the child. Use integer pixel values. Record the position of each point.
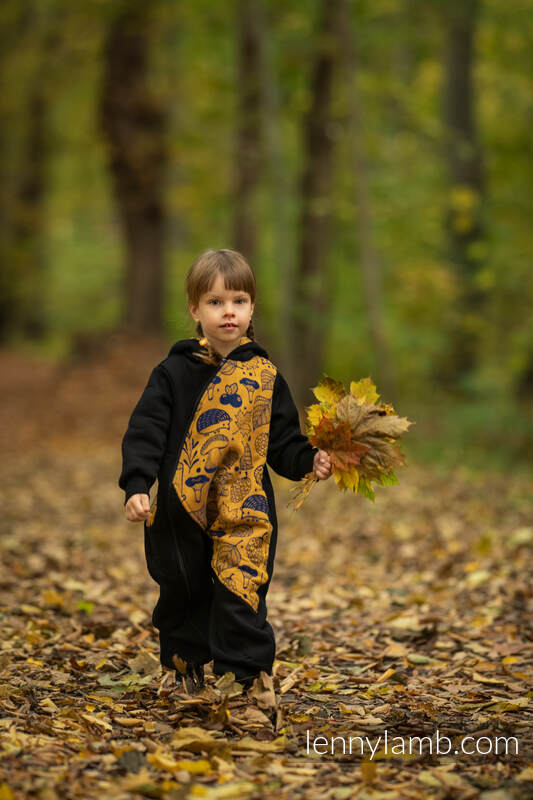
(212, 414)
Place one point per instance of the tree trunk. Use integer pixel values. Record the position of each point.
(23, 190)
(310, 304)
(368, 253)
(250, 102)
(134, 123)
(466, 174)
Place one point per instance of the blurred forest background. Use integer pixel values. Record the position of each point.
(372, 160)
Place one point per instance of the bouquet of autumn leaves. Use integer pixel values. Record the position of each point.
(359, 434)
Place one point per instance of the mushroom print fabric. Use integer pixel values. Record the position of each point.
(219, 473)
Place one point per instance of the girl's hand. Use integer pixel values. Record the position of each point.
(138, 508)
(322, 465)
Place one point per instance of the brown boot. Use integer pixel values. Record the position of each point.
(191, 672)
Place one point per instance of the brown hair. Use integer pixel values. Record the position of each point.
(237, 275)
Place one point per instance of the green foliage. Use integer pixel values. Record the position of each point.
(194, 68)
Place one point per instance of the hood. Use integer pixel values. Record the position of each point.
(242, 352)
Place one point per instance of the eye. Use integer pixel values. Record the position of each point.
(213, 301)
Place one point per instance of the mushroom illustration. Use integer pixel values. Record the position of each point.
(216, 442)
(211, 387)
(251, 386)
(197, 483)
(247, 574)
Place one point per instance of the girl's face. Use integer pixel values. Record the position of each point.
(224, 315)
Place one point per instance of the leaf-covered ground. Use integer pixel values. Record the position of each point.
(408, 617)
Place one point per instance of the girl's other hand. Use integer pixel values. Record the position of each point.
(322, 465)
(138, 508)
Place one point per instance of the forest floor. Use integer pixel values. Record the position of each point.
(407, 617)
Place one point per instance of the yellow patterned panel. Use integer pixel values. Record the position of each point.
(218, 477)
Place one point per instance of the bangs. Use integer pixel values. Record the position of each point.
(235, 270)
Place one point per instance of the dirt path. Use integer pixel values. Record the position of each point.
(406, 617)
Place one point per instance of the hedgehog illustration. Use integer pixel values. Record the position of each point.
(261, 444)
(256, 502)
(261, 412)
(213, 416)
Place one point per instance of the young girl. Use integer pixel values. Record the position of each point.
(213, 414)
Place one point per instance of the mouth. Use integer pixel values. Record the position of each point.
(229, 326)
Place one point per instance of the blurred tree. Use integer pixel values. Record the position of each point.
(250, 22)
(368, 251)
(464, 221)
(134, 121)
(24, 181)
(310, 301)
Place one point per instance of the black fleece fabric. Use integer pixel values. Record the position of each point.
(197, 616)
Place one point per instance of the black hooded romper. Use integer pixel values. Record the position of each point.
(207, 432)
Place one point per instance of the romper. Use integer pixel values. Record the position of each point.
(207, 432)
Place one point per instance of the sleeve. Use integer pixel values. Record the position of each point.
(290, 453)
(145, 439)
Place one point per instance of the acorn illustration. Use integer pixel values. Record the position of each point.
(214, 416)
(258, 474)
(240, 489)
(246, 459)
(256, 550)
(250, 385)
(261, 444)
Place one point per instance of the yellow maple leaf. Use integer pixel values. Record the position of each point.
(328, 390)
(364, 390)
(315, 412)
